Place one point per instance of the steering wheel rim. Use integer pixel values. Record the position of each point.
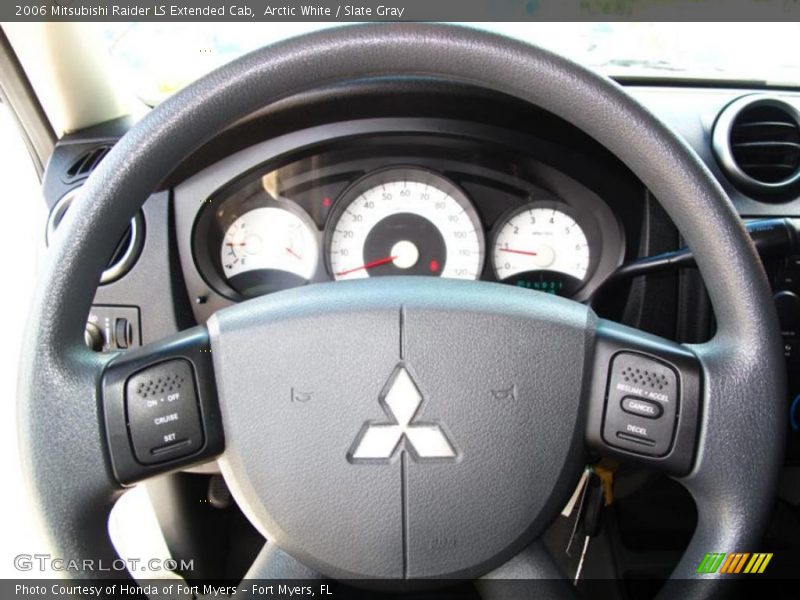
(741, 428)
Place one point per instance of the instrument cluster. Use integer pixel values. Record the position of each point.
(402, 206)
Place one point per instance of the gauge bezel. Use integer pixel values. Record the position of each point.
(210, 228)
(586, 221)
(410, 172)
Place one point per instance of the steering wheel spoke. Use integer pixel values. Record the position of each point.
(644, 399)
(160, 407)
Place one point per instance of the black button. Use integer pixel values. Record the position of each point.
(163, 415)
(635, 439)
(641, 407)
(791, 351)
(788, 306)
(123, 333)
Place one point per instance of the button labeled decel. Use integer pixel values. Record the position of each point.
(636, 439)
(641, 407)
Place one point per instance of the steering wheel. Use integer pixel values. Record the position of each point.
(396, 460)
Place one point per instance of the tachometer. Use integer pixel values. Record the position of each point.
(405, 221)
(541, 246)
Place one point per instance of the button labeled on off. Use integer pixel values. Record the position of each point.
(641, 407)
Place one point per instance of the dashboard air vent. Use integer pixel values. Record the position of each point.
(86, 163)
(757, 142)
(125, 253)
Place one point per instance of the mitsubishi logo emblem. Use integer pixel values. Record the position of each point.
(380, 441)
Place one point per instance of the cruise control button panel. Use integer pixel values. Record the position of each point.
(163, 412)
(642, 404)
(160, 407)
(644, 399)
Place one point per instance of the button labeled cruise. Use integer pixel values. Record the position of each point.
(641, 407)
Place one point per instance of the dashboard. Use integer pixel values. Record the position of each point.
(418, 177)
(420, 202)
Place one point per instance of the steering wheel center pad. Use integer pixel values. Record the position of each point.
(433, 424)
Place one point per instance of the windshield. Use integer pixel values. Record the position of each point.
(157, 59)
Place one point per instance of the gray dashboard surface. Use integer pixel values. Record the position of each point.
(691, 112)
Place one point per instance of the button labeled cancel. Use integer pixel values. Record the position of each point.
(641, 407)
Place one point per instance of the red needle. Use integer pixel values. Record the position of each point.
(369, 265)
(293, 253)
(242, 244)
(526, 253)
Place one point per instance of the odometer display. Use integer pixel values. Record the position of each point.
(405, 221)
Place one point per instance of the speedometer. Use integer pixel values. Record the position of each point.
(404, 221)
